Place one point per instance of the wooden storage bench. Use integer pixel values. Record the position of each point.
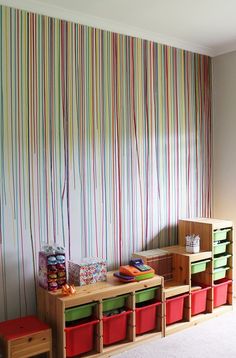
(25, 337)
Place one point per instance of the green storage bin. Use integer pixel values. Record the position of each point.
(144, 276)
(114, 303)
(78, 312)
(221, 261)
(199, 266)
(145, 295)
(220, 234)
(220, 273)
(220, 248)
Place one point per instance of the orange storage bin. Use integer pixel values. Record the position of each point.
(80, 338)
(175, 308)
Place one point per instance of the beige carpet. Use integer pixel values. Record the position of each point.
(214, 338)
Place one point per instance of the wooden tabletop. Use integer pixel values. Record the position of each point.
(106, 289)
(216, 223)
(181, 250)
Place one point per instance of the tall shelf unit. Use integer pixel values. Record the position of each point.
(216, 236)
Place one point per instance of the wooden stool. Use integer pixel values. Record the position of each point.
(25, 337)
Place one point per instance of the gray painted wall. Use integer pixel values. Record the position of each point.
(224, 138)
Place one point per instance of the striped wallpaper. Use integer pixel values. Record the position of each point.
(105, 142)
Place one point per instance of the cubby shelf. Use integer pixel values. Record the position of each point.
(206, 229)
(52, 306)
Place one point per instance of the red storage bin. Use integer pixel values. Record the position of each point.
(198, 300)
(175, 308)
(80, 338)
(220, 291)
(146, 318)
(115, 327)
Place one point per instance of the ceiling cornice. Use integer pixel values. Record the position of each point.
(84, 19)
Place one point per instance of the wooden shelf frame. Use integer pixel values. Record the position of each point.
(206, 227)
(182, 277)
(52, 306)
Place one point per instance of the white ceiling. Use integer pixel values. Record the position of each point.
(203, 26)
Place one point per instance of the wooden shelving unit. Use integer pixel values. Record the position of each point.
(183, 281)
(206, 228)
(52, 306)
(181, 267)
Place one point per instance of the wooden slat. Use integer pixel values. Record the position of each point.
(173, 288)
(181, 269)
(101, 290)
(203, 229)
(176, 327)
(216, 223)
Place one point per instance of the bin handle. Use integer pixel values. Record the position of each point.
(222, 256)
(105, 318)
(82, 325)
(177, 297)
(119, 296)
(200, 262)
(147, 289)
(221, 243)
(219, 269)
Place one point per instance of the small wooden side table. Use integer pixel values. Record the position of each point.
(25, 337)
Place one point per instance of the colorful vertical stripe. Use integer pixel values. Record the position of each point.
(105, 143)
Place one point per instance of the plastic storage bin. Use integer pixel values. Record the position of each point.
(114, 303)
(198, 300)
(220, 273)
(220, 292)
(175, 308)
(145, 295)
(220, 248)
(220, 234)
(199, 266)
(221, 261)
(115, 327)
(146, 318)
(80, 338)
(72, 314)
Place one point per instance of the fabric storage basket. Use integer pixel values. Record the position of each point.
(221, 261)
(220, 248)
